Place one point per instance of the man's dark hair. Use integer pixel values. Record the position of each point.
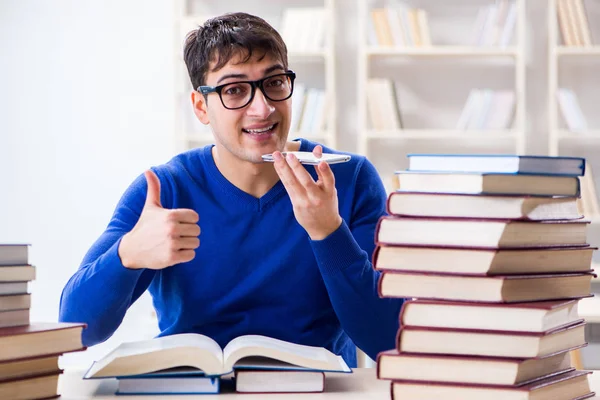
(235, 34)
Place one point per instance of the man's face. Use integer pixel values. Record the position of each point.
(259, 128)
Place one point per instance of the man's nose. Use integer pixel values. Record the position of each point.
(260, 106)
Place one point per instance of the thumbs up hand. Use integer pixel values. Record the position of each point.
(161, 237)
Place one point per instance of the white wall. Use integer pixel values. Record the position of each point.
(86, 105)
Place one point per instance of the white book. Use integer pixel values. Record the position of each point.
(297, 106)
(487, 36)
(468, 109)
(396, 30)
(509, 26)
(479, 26)
(501, 110)
(479, 119)
(310, 108)
(571, 110)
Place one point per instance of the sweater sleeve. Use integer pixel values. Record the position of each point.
(344, 260)
(102, 289)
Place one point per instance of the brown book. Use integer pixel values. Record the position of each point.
(43, 386)
(17, 273)
(488, 183)
(571, 385)
(490, 343)
(14, 318)
(29, 367)
(479, 233)
(463, 369)
(539, 316)
(494, 289)
(39, 339)
(15, 302)
(415, 204)
(483, 261)
(14, 253)
(273, 381)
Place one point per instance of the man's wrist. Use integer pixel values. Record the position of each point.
(124, 253)
(322, 234)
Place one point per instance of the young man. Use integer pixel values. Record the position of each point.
(285, 248)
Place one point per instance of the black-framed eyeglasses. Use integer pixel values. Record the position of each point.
(235, 95)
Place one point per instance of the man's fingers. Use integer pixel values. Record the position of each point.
(191, 230)
(326, 175)
(184, 215)
(183, 256)
(153, 193)
(300, 172)
(318, 151)
(293, 187)
(188, 243)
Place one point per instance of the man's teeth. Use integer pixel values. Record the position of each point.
(268, 128)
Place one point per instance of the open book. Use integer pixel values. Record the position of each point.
(201, 352)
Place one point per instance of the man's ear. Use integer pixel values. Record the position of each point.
(200, 107)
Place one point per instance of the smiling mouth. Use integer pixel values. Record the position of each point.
(262, 131)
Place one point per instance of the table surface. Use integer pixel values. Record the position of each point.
(362, 384)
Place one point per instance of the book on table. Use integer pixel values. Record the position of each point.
(471, 342)
(14, 254)
(394, 365)
(479, 233)
(203, 353)
(484, 288)
(498, 163)
(416, 204)
(488, 184)
(571, 385)
(180, 380)
(278, 381)
(535, 316)
(477, 261)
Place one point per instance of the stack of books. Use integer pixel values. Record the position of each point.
(491, 253)
(29, 351)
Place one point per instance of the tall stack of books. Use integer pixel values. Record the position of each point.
(29, 351)
(491, 253)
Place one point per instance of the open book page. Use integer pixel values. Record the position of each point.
(134, 358)
(308, 357)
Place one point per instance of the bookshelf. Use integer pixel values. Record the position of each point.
(572, 53)
(386, 59)
(311, 57)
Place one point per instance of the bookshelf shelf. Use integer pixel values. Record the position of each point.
(577, 51)
(381, 38)
(591, 134)
(443, 51)
(403, 134)
(312, 57)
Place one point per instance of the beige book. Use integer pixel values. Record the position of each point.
(566, 27)
(205, 354)
(582, 23)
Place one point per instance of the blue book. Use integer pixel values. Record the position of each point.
(176, 381)
(498, 164)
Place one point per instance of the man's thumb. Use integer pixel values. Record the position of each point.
(153, 195)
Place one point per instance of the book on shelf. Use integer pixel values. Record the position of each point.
(572, 385)
(488, 183)
(487, 109)
(479, 233)
(535, 316)
(398, 27)
(429, 340)
(393, 365)
(495, 24)
(416, 204)
(571, 110)
(273, 381)
(483, 261)
(304, 28)
(382, 105)
(573, 23)
(495, 289)
(14, 254)
(498, 164)
(205, 354)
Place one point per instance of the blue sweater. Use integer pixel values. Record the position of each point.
(256, 270)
